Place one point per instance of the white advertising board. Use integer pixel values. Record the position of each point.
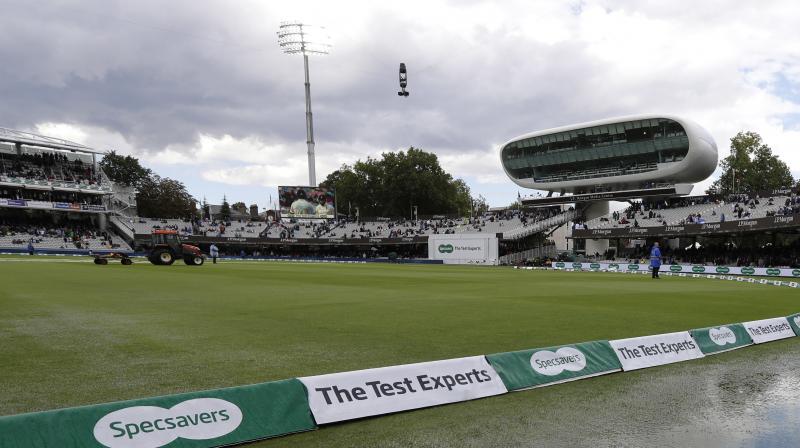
(656, 350)
(767, 330)
(464, 248)
(363, 393)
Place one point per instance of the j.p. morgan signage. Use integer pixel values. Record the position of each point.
(362, 393)
(758, 224)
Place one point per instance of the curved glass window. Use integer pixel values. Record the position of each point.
(599, 151)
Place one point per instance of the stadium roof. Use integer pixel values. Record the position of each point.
(42, 141)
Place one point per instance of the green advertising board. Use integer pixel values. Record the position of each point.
(197, 419)
(525, 369)
(794, 321)
(721, 339)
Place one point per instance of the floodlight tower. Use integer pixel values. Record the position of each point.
(293, 38)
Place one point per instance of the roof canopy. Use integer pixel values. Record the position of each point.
(31, 139)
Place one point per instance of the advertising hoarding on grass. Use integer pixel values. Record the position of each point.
(656, 350)
(526, 369)
(197, 419)
(722, 338)
(767, 330)
(349, 395)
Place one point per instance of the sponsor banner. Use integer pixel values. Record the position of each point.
(66, 206)
(767, 330)
(197, 419)
(656, 350)
(685, 268)
(721, 339)
(525, 369)
(93, 208)
(16, 202)
(363, 393)
(736, 226)
(463, 248)
(794, 321)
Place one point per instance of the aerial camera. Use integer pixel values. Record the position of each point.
(403, 80)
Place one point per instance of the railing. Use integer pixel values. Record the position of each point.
(537, 252)
(542, 225)
(126, 229)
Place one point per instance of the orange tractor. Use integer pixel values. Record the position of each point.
(167, 247)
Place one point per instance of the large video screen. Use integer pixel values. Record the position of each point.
(307, 202)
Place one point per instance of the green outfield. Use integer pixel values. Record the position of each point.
(73, 333)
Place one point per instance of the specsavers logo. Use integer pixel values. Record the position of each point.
(723, 270)
(797, 321)
(722, 336)
(548, 363)
(748, 271)
(153, 426)
(675, 268)
(445, 248)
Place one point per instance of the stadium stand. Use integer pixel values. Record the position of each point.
(49, 169)
(70, 237)
(697, 210)
(513, 223)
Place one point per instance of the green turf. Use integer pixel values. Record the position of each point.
(75, 333)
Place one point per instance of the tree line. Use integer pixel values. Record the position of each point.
(751, 168)
(399, 184)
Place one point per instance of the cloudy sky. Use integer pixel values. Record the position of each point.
(200, 91)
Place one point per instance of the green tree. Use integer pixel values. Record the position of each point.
(397, 182)
(480, 205)
(206, 210)
(239, 207)
(165, 198)
(751, 167)
(125, 170)
(225, 209)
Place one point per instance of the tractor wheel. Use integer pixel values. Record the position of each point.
(127, 261)
(153, 259)
(100, 261)
(164, 257)
(193, 260)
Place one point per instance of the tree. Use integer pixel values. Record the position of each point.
(206, 210)
(480, 205)
(125, 170)
(396, 183)
(225, 209)
(239, 207)
(165, 198)
(751, 167)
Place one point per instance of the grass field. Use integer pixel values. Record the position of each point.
(72, 333)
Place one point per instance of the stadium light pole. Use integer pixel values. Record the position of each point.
(300, 38)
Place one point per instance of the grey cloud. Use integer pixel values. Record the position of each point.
(162, 73)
